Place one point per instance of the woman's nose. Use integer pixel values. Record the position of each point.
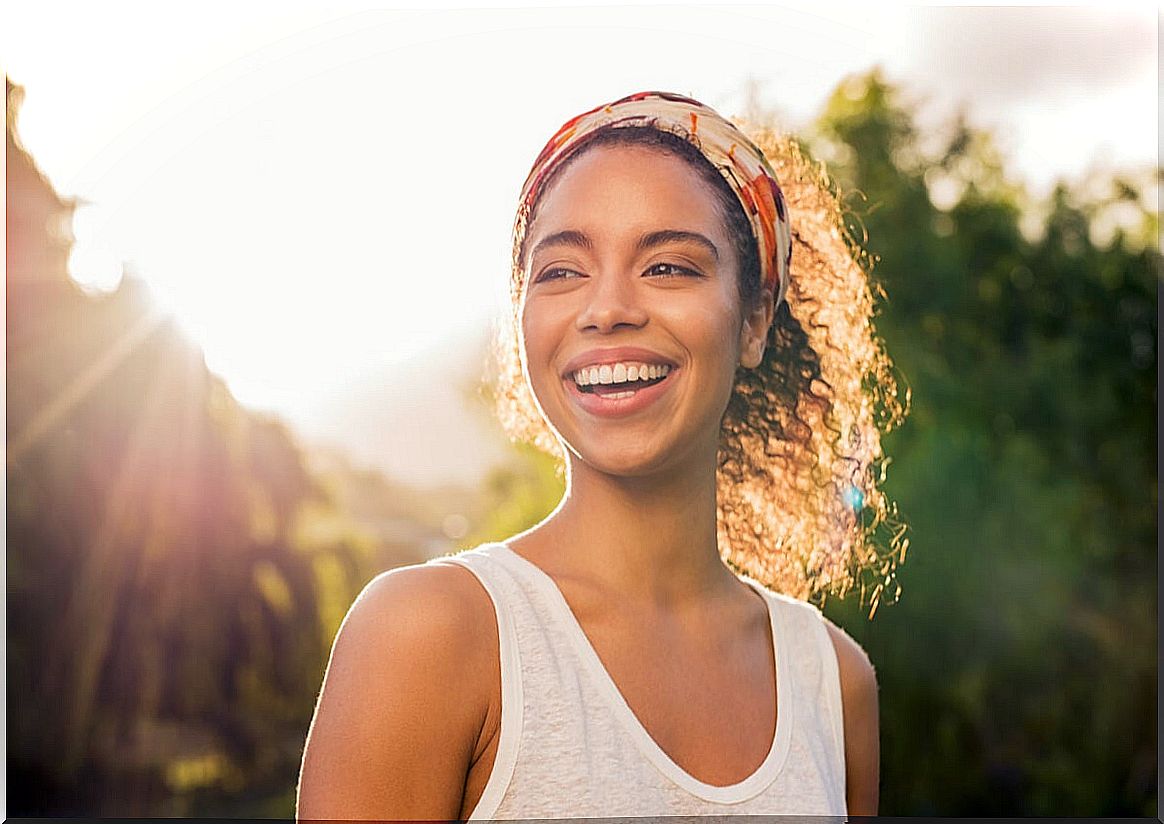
(611, 301)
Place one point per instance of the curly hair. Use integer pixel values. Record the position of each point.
(799, 501)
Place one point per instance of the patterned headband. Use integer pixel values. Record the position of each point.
(737, 158)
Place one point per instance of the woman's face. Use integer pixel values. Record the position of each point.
(631, 321)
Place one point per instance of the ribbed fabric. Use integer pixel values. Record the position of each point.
(571, 747)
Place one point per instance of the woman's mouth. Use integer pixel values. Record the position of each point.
(618, 389)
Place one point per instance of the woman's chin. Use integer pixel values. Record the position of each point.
(628, 461)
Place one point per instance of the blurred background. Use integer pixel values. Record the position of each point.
(253, 256)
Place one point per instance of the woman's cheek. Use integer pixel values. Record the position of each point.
(537, 352)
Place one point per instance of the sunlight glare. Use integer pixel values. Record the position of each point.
(315, 193)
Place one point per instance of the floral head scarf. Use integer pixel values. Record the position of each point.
(737, 158)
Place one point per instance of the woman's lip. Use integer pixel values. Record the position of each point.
(626, 354)
(607, 407)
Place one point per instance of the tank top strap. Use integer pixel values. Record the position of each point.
(831, 686)
(503, 592)
(813, 666)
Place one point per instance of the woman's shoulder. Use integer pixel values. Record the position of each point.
(411, 664)
(857, 685)
(856, 668)
(861, 721)
(858, 679)
(436, 615)
(432, 601)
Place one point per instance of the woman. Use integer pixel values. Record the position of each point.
(609, 661)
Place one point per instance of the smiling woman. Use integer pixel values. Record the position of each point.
(704, 364)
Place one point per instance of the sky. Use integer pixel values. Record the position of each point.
(318, 192)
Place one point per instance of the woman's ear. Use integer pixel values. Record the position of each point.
(754, 331)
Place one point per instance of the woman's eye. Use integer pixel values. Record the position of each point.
(556, 273)
(670, 270)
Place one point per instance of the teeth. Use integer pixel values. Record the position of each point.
(619, 373)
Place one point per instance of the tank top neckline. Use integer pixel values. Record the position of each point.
(742, 790)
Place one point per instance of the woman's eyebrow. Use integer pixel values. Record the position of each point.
(665, 236)
(567, 237)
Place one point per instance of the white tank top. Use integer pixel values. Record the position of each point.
(570, 746)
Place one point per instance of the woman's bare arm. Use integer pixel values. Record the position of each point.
(862, 734)
(403, 702)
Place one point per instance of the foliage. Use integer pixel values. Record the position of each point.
(169, 610)
(1018, 672)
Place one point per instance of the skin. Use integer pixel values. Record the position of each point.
(687, 643)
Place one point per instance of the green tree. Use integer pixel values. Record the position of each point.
(1018, 671)
(164, 643)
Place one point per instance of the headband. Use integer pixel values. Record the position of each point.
(737, 158)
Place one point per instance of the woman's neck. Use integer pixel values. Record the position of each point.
(649, 538)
